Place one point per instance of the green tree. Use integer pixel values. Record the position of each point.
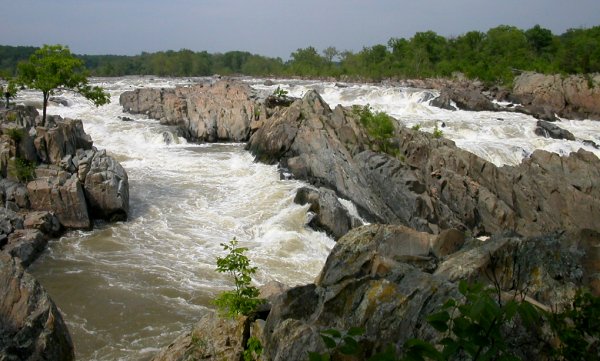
(54, 67)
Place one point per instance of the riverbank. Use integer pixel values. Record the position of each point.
(52, 180)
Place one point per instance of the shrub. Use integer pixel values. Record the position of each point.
(379, 126)
(24, 170)
(243, 300)
(280, 93)
(16, 134)
(253, 349)
(416, 127)
(437, 132)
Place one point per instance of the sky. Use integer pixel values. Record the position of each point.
(268, 27)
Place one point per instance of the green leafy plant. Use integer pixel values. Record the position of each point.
(578, 328)
(379, 126)
(437, 132)
(280, 93)
(16, 134)
(416, 127)
(474, 327)
(243, 300)
(24, 170)
(253, 349)
(336, 341)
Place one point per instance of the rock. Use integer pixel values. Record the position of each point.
(212, 338)
(106, 188)
(330, 215)
(268, 82)
(205, 112)
(60, 100)
(574, 96)
(26, 244)
(539, 112)
(273, 101)
(443, 101)
(465, 98)
(63, 196)
(363, 284)
(549, 267)
(55, 142)
(549, 130)
(31, 327)
(9, 221)
(126, 119)
(45, 221)
(431, 185)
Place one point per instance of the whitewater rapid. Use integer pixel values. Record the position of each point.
(129, 288)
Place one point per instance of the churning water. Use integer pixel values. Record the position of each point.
(129, 288)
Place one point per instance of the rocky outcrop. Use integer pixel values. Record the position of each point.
(221, 111)
(431, 184)
(72, 179)
(31, 328)
(374, 279)
(465, 96)
(573, 96)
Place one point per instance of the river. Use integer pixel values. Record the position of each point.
(129, 288)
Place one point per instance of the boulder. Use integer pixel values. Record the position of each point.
(212, 338)
(549, 130)
(62, 195)
(106, 188)
(31, 327)
(53, 143)
(26, 245)
(465, 98)
(9, 221)
(330, 215)
(204, 112)
(44, 221)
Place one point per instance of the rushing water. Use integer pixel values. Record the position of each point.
(129, 288)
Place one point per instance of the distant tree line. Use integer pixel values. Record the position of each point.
(491, 56)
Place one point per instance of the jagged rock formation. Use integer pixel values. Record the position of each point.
(573, 96)
(72, 179)
(432, 184)
(31, 328)
(221, 111)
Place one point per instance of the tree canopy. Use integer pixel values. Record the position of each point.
(53, 67)
(489, 56)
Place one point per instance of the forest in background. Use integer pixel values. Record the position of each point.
(493, 57)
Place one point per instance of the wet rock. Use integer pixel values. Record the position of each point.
(465, 98)
(31, 327)
(106, 188)
(126, 119)
(26, 245)
(330, 215)
(549, 130)
(60, 101)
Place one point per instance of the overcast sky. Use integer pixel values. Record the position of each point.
(267, 27)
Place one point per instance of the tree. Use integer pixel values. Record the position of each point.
(53, 67)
